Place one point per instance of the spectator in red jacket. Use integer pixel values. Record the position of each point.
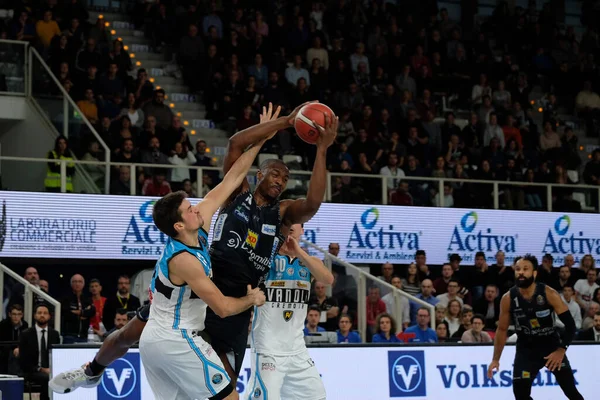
(157, 185)
(375, 306)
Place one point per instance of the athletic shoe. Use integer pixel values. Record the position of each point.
(73, 379)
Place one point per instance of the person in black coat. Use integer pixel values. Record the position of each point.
(34, 350)
(10, 331)
(489, 302)
(76, 310)
(592, 334)
(122, 299)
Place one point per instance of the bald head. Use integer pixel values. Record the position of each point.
(77, 283)
(426, 287)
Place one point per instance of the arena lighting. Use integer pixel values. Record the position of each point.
(179, 114)
(172, 105)
(193, 132)
(166, 97)
(580, 148)
(125, 48)
(151, 80)
(158, 88)
(107, 24)
(113, 32)
(186, 123)
(120, 39)
(532, 102)
(208, 150)
(132, 55)
(540, 109)
(138, 64)
(100, 16)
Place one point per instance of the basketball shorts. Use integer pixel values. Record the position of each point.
(229, 335)
(179, 365)
(284, 377)
(529, 361)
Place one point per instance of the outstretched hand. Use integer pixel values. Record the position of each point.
(291, 118)
(268, 115)
(328, 133)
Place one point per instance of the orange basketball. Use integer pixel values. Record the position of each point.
(303, 122)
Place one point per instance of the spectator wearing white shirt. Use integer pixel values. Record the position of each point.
(452, 294)
(453, 316)
(182, 157)
(390, 305)
(584, 289)
(493, 130)
(295, 72)
(359, 56)
(567, 297)
(392, 171)
(318, 52)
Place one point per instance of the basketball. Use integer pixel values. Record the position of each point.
(305, 129)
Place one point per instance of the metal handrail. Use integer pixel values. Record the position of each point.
(361, 287)
(30, 290)
(384, 179)
(66, 101)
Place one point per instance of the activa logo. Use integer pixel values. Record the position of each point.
(120, 381)
(476, 377)
(141, 228)
(559, 241)
(407, 373)
(467, 238)
(367, 236)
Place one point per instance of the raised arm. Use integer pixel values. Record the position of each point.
(187, 268)
(268, 126)
(314, 265)
(501, 333)
(301, 210)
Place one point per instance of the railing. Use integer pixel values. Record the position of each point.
(361, 291)
(435, 184)
(30, 290)
(51, 99)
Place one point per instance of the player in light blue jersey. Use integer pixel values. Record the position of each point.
(177, 360)
(281, 365)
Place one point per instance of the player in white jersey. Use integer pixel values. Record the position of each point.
(178, 362)
(281, 365)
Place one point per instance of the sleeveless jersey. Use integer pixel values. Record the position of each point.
(173, 306)
(533, 318)
(277, 328)
(246, 237)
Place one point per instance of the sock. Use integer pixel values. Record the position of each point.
(95, 368)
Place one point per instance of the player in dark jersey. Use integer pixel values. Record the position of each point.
(529, 306)
(253, 225)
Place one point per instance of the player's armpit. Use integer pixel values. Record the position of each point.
(298, 211)
(186, 269)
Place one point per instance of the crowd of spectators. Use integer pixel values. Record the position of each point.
(383, 68)
(466, 300)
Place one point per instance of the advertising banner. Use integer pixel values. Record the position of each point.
(369, 373)
(54, 225)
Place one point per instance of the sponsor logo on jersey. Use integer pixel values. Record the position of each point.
(282, 296)
(290, 271)
(241, 214)
(301, 284)
(407, 373)
(542, 314)
(120, 381)
(540, 300)
(303, 273)
(257, 393)
(277, 284)
(252, 239)
(235, 241)
(217, 378)
(267, 367)
(218, 231)
(534, 323)
(268, 229)
(287, 315)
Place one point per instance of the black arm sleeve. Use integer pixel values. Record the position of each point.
(568, 334)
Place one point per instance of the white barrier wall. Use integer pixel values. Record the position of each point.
(54, 225)
(370, 373)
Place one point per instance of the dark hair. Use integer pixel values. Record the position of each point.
(548, 257)
(453, 280)
(121, 311)
(267, 163)
(480, 254)
(420, 253)
(166, 212)
(159, 91)
(569, 285)
(124, 276)
(95, 280)
(478, 316)
(17, 307)
(41, 305)
(58, 139)
(392, 323)
(314, 307)
(532, 259)
(426, 309)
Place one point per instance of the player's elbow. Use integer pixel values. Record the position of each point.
(327, 278)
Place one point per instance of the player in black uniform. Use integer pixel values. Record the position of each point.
(252, 226)
(529, 306)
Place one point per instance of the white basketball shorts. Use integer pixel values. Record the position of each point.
(180, 365)
(292, 377)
